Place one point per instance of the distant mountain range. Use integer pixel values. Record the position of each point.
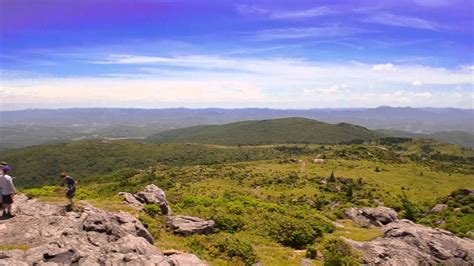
(461, 138)
(271, 131)
(38, 126)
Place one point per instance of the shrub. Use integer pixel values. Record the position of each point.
(225, 246)
(294, 232)
(332, 178)
(337, 252)
(153, 226)
(152, 209)
(311, 252)
(409, 208)
(233, 247)
(228, 222)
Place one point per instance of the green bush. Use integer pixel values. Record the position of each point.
(311, 252)
(234, 247)
(228, 222)
(336, 252)
(225, 246)
(154, 226)
(152, 209)
(409, 208)
(293, 232)
(46, 191)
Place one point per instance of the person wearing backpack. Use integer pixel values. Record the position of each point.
(8, 191)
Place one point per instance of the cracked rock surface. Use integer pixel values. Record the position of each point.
(89, 237)
(408, 243)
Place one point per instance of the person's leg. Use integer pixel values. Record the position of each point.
(70, 197)
(8, 209)
(4, 206)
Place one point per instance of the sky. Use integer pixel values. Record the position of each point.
(236, 54)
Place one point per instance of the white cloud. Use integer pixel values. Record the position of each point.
(329, 90)
(423, 94)
(383, 67)
(417, 83)
(402, 21)
(209, 80)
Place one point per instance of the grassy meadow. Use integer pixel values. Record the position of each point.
(271, 203)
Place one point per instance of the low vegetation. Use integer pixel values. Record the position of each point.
(273, 204)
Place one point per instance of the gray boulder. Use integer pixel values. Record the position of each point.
(407, 243)
(439, 208)
(371, 216)
(131, 200)
(150, 195)
(188, 225)
(88, 237)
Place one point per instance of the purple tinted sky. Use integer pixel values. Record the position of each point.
(399, 47)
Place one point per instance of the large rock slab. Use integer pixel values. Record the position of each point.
(188, 225)
(407, 243)
(89, 237)
(150, 195)
(371, 216)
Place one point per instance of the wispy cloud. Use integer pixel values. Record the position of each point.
(259, 12)
(300, 14)
(313, 92)
(383, 67)
(402, 21)
(307, 32)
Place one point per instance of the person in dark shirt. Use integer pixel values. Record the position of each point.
(71, 188)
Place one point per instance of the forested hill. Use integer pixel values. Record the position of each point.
(272, 131)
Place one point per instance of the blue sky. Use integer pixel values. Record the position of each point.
(279, 54)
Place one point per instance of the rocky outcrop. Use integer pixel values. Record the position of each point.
(187, 225)
(87, 237)
(407, 243)
(130, 200)
(438, 208)
(150, 195)
(371, 216)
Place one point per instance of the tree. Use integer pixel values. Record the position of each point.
(409, 208)
(349, 192)
(332, 178)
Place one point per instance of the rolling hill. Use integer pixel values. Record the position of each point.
(24, 128)
(272, 131)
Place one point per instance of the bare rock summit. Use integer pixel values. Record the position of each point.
(52, 236)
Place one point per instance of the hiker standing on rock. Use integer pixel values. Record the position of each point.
(71, 188)
(2, 164)
(8, 191)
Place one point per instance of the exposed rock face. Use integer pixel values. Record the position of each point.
(439, 208)
(91, 237)
(376, 216)
(407, 243)
(187, 225)
(129, 199)
(150, 195)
